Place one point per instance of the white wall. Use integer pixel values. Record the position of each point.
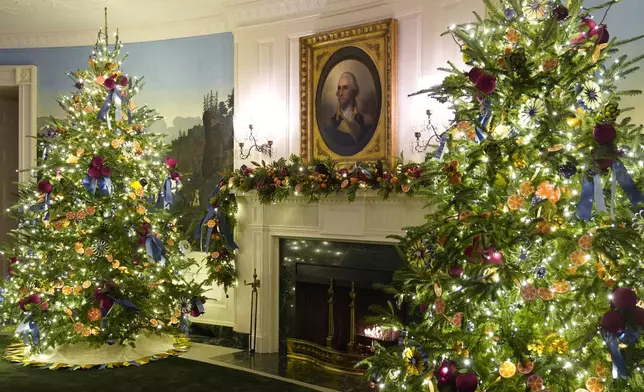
(267, 62)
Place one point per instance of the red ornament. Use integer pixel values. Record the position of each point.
(170, 163)
(195, 313)
(109, 84)
(98, 161)
(123, 80)
(455, 271)
(494, 257)
(44, 306)
(175, 176)
(45, 186)
(466, 382)
(601, 32)
(624, 299)
(445, 372)
(474, 74)
(94, 172)
(613, 322)
(35, 299)
(604, 133)
(486, 83)
(23, 303)
(106, 171)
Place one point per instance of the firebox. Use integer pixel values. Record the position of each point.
(326, 290)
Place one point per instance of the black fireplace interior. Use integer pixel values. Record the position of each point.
(306, 270)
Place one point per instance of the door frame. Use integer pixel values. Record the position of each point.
(26, 78)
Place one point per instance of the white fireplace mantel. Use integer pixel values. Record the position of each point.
(367, 219)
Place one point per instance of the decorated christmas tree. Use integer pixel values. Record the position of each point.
(97, 256)
(528, 273)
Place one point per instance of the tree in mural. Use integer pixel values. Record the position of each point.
(527, 275)
(97, 256)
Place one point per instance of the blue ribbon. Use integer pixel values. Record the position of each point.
(585, 204)
(619, 365)
(209, 215)
(198, 303)
(47, 201)
(484, 120)
(184, 324)
(114, 96)
(29, 327)
(630, 335)
(441, 146)
(155, 249)
(627, 183)
(122, 302)
(223, 229)
(90, 184)
(105, 186)
(165, 193)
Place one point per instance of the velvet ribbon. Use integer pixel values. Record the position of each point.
(119, 301)
(619, 365)
(441, 146)
(29, 327)
(592, 191)
(223, 226)
(484, 120)
(103, 184)
(630, 335)
(165, 193)
(116, 97)
(155, 249)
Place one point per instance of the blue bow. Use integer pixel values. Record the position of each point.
(165, 193)
(619, 365)
(209, 215)
(90, 184)
(29, 327)
(198, 303)
(114, 96)
(441, 146)
(223, 229)
(122, 302)
(484, 120)
(630, 335)
(155, 249)
(105, 186)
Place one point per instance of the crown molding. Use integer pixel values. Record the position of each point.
(233, 15)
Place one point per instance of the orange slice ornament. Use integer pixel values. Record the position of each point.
(585, 242)
(507, 369)
(561, 287)
(579, 258)
(526, 189)
(535, 383)
(515, 202)
(527, 368)
(545, 294)
(528, 292)
(439, 306)
(594, 384)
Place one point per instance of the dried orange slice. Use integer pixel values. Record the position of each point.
(464, 215)
(545, 294)
(561, 287)
(579, 258)
(439, 306)
(527, 368)
(515, 202)
(585, 242)
(581, 390)
(438, 290)
(528, 292)
(535, 383)
(572, 271)
(526, 189)
(594, 384)
(507, 369)
(556, 147)
(601, 370)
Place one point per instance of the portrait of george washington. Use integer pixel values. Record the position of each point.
(349, 101)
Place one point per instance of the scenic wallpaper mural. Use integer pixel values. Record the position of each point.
(189, 81)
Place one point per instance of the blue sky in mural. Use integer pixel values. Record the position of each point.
(177, 73)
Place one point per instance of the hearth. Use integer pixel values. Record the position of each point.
(326, 290)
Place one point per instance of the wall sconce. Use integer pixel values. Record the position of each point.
(264, 149)
(426, 136)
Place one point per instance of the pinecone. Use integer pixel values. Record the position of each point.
(611, 111)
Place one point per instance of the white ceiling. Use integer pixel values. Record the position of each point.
(41, 16)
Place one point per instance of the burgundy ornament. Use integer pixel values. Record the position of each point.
(486, 83)
(445, 372)
(638, 316)
(613, 322)
(561, 13)
(494, 257)
(106, 302)
(23, 303)
(44, 306)
(123, 80)
(98, 161)
(467, 382)
(45, 186)
(110, 84)
(423, 308)
(170, 163)
(604, 133)
(624, 299)
(106, 171)
(601, 32)
(35, 298)
(94, 172)
(195, 312)
(474, 74)
(455, 271)
(175, 176)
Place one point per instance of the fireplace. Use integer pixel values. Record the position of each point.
(326, 289)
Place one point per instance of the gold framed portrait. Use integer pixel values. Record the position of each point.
(348, 93)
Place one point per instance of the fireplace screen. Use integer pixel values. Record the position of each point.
(326, 290)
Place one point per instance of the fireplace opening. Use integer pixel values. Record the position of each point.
(326, 290)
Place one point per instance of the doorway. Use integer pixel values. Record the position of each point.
(9, 162)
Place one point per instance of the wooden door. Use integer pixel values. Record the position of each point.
(8, 162)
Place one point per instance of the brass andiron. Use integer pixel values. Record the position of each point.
(329, 339)
(352, 322)
(254, 297)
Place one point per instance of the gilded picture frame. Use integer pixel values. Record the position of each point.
(348, 93)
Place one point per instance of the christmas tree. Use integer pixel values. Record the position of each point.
(97, 256)
(527, 275)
